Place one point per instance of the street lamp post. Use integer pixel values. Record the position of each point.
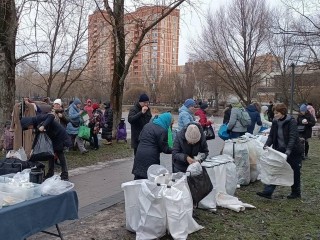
(292, 88)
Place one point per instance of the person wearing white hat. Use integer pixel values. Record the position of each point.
(188, 143)
(58, 112)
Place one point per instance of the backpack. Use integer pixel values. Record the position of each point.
(245, 119)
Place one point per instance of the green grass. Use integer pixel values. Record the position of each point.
(104, 153)
(278, 218)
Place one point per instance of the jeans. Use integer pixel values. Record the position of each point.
(63, 163)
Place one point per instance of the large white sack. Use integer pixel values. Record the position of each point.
(255, 149)
(131, 202)
(239, 151)
(275, 169)
(231, 202)
(177, 219)
(182, 185)
(153, 222)
(223, 175)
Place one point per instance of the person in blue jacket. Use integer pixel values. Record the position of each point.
(186, 114)
(254, 113)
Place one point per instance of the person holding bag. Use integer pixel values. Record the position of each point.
(305, 123)
(57, 134)
(204, 122)
(188, 143)
(284, 138)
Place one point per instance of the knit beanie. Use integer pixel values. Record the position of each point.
(204, 106)
(264, 109)
(193, 134)
(57, 101)
(303, 108)
(143, 98)
(189, 103)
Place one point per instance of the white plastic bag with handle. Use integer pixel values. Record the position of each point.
(55, 186)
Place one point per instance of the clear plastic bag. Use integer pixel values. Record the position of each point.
(55, 186)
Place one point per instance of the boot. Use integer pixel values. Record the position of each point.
(263, 194)
(64, 176)
(295, 193)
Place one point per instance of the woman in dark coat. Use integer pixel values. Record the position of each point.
(108, 123)
(58, 135)
(284, 138)
(187, 144)
(152, 141)
(305, 123)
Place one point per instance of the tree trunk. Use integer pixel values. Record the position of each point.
(119, 60)
(8, 31)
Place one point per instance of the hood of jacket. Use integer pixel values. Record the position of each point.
(185, 109)
(251, 108)
(163, 120)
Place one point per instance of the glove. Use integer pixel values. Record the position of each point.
(228, 131)
(265, 147)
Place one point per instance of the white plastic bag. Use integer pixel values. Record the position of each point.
(132, 207)
(275, 169)
(156, 170)
(55, 186)
(194, 169)
(22, 154)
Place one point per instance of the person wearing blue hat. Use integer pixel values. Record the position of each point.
(152, 141)
(186, 113)
(305, 123)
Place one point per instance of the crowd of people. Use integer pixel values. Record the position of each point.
(150, 138)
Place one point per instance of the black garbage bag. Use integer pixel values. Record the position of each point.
(200, 186)
(43, 149)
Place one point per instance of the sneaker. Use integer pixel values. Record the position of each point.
(84, 152)
(294, 196)
(265, 195)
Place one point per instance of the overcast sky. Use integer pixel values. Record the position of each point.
(190, 24)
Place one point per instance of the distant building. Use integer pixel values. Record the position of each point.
(155, 59)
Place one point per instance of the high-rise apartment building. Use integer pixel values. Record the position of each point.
(157, 57)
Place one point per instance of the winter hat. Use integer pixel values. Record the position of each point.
(76, 101)
(189, 103)
(193, 134)
(204, 106)
(58, 101)
(143, 98)
(26, 122)
(264, 109)
(234, 100)
(303, 108)
(95, 106)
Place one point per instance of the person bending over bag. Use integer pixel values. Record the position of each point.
(58, 136)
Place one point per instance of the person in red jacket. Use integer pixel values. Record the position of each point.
(201, 113)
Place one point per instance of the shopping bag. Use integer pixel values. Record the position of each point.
(84, 132)
(209, 132)
(170, 139)
(42, 150)
(222, 133)
(200, 186)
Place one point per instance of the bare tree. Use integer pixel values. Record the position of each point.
(122, 59)
(233, 38)
(58, 28)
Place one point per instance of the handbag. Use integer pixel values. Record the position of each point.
(200, 186)
(209, 132)
(222, 133)
(301, 128)
(43, 149)
(84, 132)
